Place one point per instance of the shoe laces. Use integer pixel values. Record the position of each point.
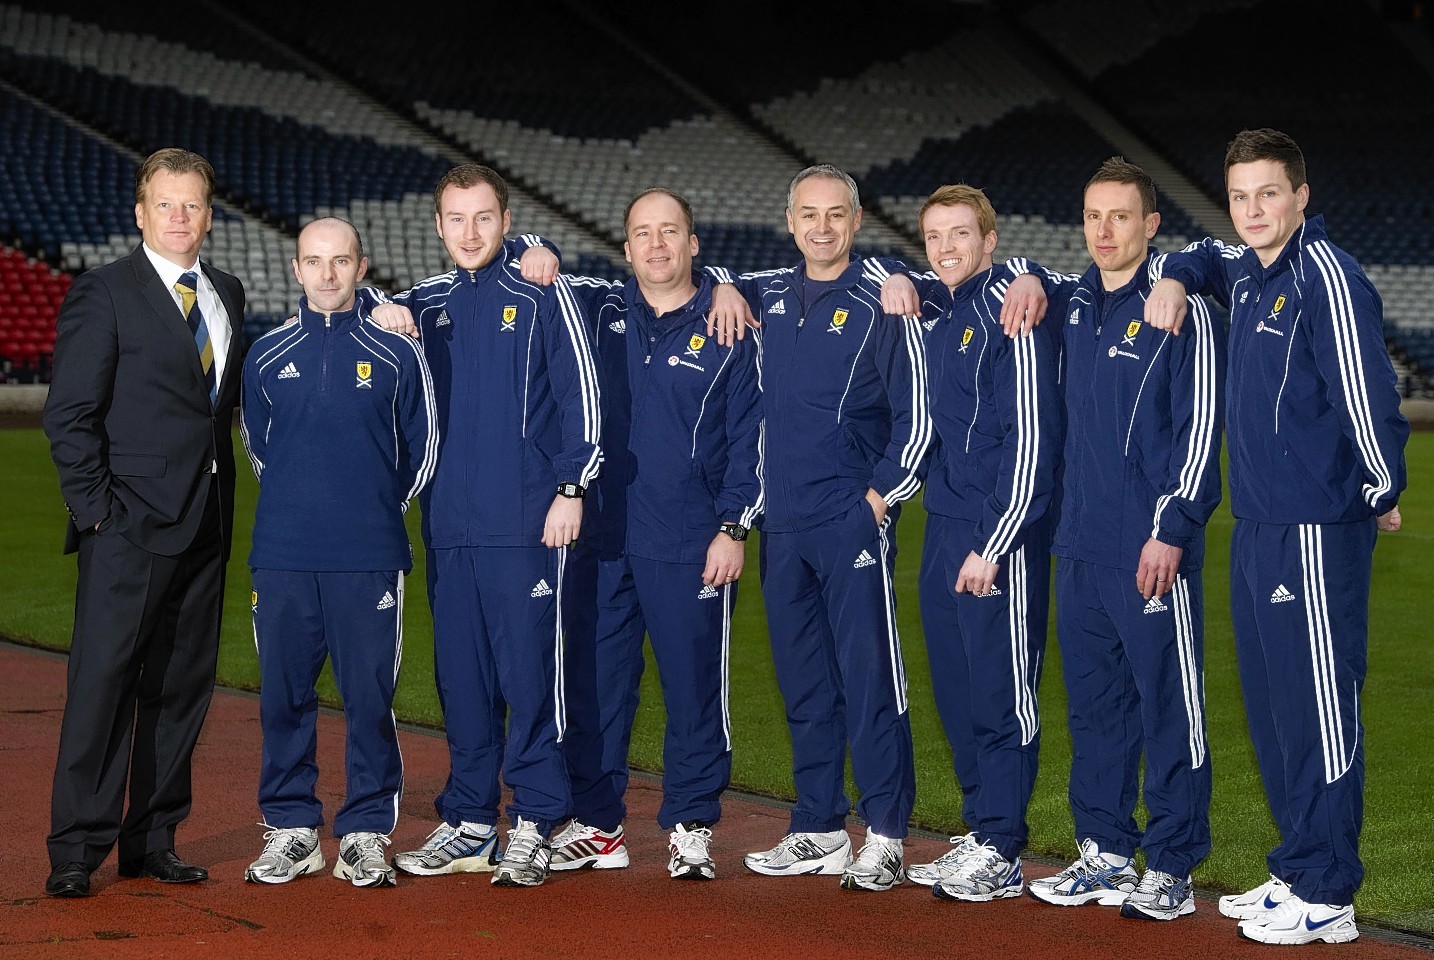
(523, 841)
(1154, 882)
(441, 835)
(278, 839)
(575, 830)
(369, 845)
(964, 845)
(878, 848)
(691, 844)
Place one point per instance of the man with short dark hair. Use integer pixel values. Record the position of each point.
(1316, 451)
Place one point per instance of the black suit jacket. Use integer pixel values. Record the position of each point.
(131, 429)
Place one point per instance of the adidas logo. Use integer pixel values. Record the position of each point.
(1155, 606)
(542, 590)
(289, 371)
(618, 326)
(930, 324)
(442, 320)
(780, 307)
(1281, 595)
(386, 602)
(707, 592)
(864, 560)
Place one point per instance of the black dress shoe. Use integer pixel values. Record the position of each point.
(69, 880)
(165, 867)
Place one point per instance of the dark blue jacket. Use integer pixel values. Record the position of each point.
(1143, 414)
(340, 425)
(997, 408)
(844, 397)
(518, 401)
(1312, 408)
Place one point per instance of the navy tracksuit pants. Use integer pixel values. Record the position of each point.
(1135, 682)
(1299, 599)
(610, 603)
(831, 617)
(356, 621)
(986, 655)
(497, 658)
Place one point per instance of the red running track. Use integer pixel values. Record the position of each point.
(637, 912)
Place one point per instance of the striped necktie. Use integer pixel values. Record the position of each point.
(187, 288)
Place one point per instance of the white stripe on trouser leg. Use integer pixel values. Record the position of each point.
(1326, 684)
(560, 705)
(1191, 681)
(397, 666)
(726, 676)
(893, 641)
(1017, 615)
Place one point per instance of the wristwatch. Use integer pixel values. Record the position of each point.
(573, 491)
(734, 530)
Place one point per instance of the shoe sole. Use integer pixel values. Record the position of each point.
(1004, 893)
(1133, 912)
(1294, 938)
(508, 880)
(825, 867)
(462, 865)
(1103, 898)
(692, 873)
(343, 872)
(849, 882)
(599, 861)
(303, 868)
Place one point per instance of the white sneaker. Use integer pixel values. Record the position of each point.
(579, 845)
(1160, 896)
(1257, 902)
(1296, 922)
(803, 853)
(982, 875)
(1094, 878)
(928, 874)
(525, 862)
(362, 862)
(466, 848)
(877, 865)
(691, 844)
(289, 853)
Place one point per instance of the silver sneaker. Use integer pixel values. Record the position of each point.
(691, 844)
(1091, 879)
(877, 865)
(982, 875)
(928, 874)
(450, 849)
(803, 853)
(525, 864)
(289, 853)
(362, 861)
(1257, 902)
(1160, 896)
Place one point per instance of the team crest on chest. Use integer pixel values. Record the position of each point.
(1267, 325)
(1130, 331)
(694, 345)
(838, 321)
(364, 371)
(966, 338)
(510, 317)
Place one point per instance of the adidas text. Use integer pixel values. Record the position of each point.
(865, 560)
(386, 602)
(1155, 606)
(1281, 595)
(289, 372)
(541, 590)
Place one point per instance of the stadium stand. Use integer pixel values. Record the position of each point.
(581, 107)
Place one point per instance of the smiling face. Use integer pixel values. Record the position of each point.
(955, 246)
(660, 245)
(174, 216)
(824, 225)
(472, 224)
(329, 265)
(1117, 233)
(1266, 209)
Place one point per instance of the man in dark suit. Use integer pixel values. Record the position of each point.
(140, 418)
